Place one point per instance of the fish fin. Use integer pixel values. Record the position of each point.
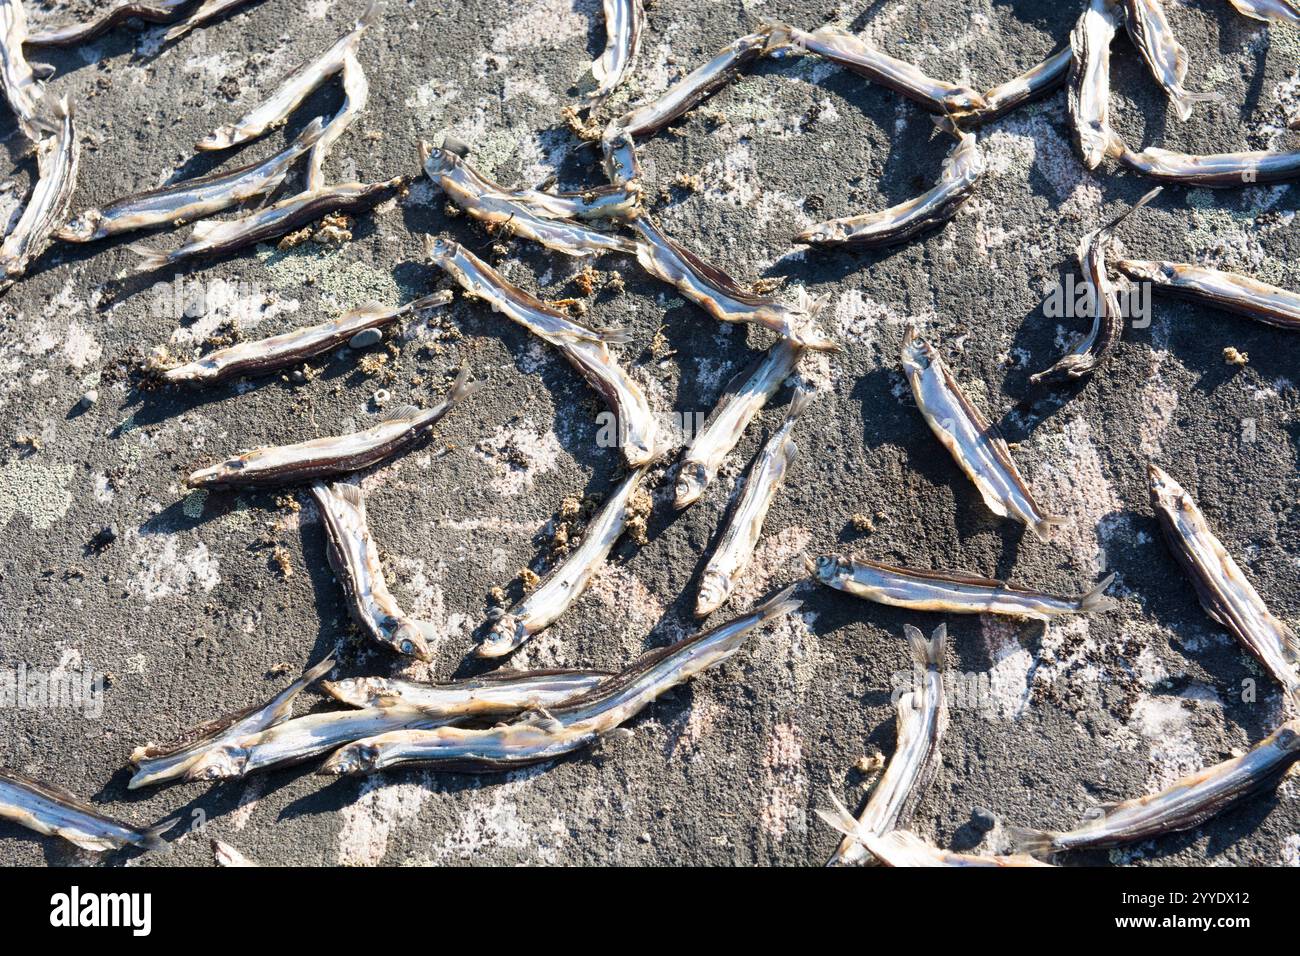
(779, 37)
(927, 652)
(153, 836)
(457, 147)
(400, 413)
(839, 818)
(1045, 526)
(351, 494)
(462, 388)
(431, 301)
(799, 402)
(615, 336)
(369, 16)
(779, 604)
(1037, 843)
(150, 258)
(1097, 600)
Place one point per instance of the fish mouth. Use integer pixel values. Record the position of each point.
(204, 477)
(501, 640)
(713, 593)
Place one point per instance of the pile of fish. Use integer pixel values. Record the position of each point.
(510, 718)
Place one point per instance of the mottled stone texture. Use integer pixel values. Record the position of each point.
(189, 611)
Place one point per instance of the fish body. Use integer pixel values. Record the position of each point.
(1225, 290)
(618, 157)
(922, 719)
(494, 694)
(934, 207)
(624, 25)
(1185, 804)
(263, 356)
(190, 199)
(1089, 84)
(570, 726)
(744, 526)
(165, 11)
(1224, 590)
(720, 295)
(973, 442)
(57, 158)
(903, 848)
(1034, 83)
(356, 94)
(52, 811)
(355, 559)
(744, 398)
(159, 763)
(615, 201)
(1276, 11)
(27, 98)
(307, 461)
(1215, 170)
(952, 593)
(586, 350)
(569, 579)
(207, 11)
(1166, 58)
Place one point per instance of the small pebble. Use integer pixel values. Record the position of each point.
(366, 338)
(90, 398)
(982, 820)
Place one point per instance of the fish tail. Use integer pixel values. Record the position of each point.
(838, 817)
(369, 16)
(799, 403)
(1097, 600)
(928, 652)
(779, 604)
(1037, 843)
(615, 336)
(462, 388)
(1110, 226)
(432, 301)
(1044, 527)
(152, 838)
(150, 258)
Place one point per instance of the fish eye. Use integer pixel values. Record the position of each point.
(408, 647)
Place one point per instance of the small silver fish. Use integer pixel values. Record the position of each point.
(1277, 11)
(487, 201)
(218, 238)
(225, 855)
(903, 848)
(493, 694)
(586, 350)
(208, 11)
(1216, 170)
(1089, 88)
(975, 445)
(57, 156)
(1225, 290)
(720, 295)
(26, 97)
(1224, 590)
(697, 86)
(398, 430)
(1166, 58)
(624, 24)
(356, 94)
(954, 593)
(744, 398)
(735, 547)
(922, 718)
(571, 726)
(159, 763)
(1094, 349)
(53, 811)
(302, 738)
(296, 87)
(1182, 805)
(355, 559)
(616, 201)
(569, 579)
(1034, 83)
(190, 199)
(854, 53)
(165, 11)
(934, 207)
(262, 356)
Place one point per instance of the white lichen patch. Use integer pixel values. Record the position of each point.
(160, 569)
(634, 608)
(345, 283)
(36, 491)
(1165, 723)
(785, 785)
(545, 25)
(1012, 666)
(518, 455)
(1071, 480)
(369, 821)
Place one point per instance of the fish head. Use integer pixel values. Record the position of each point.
(830, 567)
(918, 354)
(82, 228)
(715, 588)
(220, 763)
(437, 160)
(964, 100)
(354, 758)
(1288, 737)
(440, 250)
(506, 634)
(691, 482)
(408, 638)
(1166, 493)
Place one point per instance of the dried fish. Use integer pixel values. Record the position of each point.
(586, 350)
(263, 356)
(953, 593)
(494, 694)
(617, 201)
(1278, 11)
(618, 157)
(208, 11)
(1216, 170)
(57, 157)
(1182, 805)
(398, 430)
(1224, 590)
(356, 94)
(296, 88)
(744, 398)
(487, 201)
(838, 46)
(697, 86)
(1094, 349)
(1089, 89)
(191, 199)
(225, 855)
(1226, 290)
(934, 207)
(1034, 83)
(735, 547)
(53, 811)
(569, 579)
(304, 737)
(922, 720)
(165, 11)
(218, 238)
(1167, 58)
(974, 443)
(624, 24)
(571, 726)
(159, 763)
(904, 848)
(26, 96)
(720, 295)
